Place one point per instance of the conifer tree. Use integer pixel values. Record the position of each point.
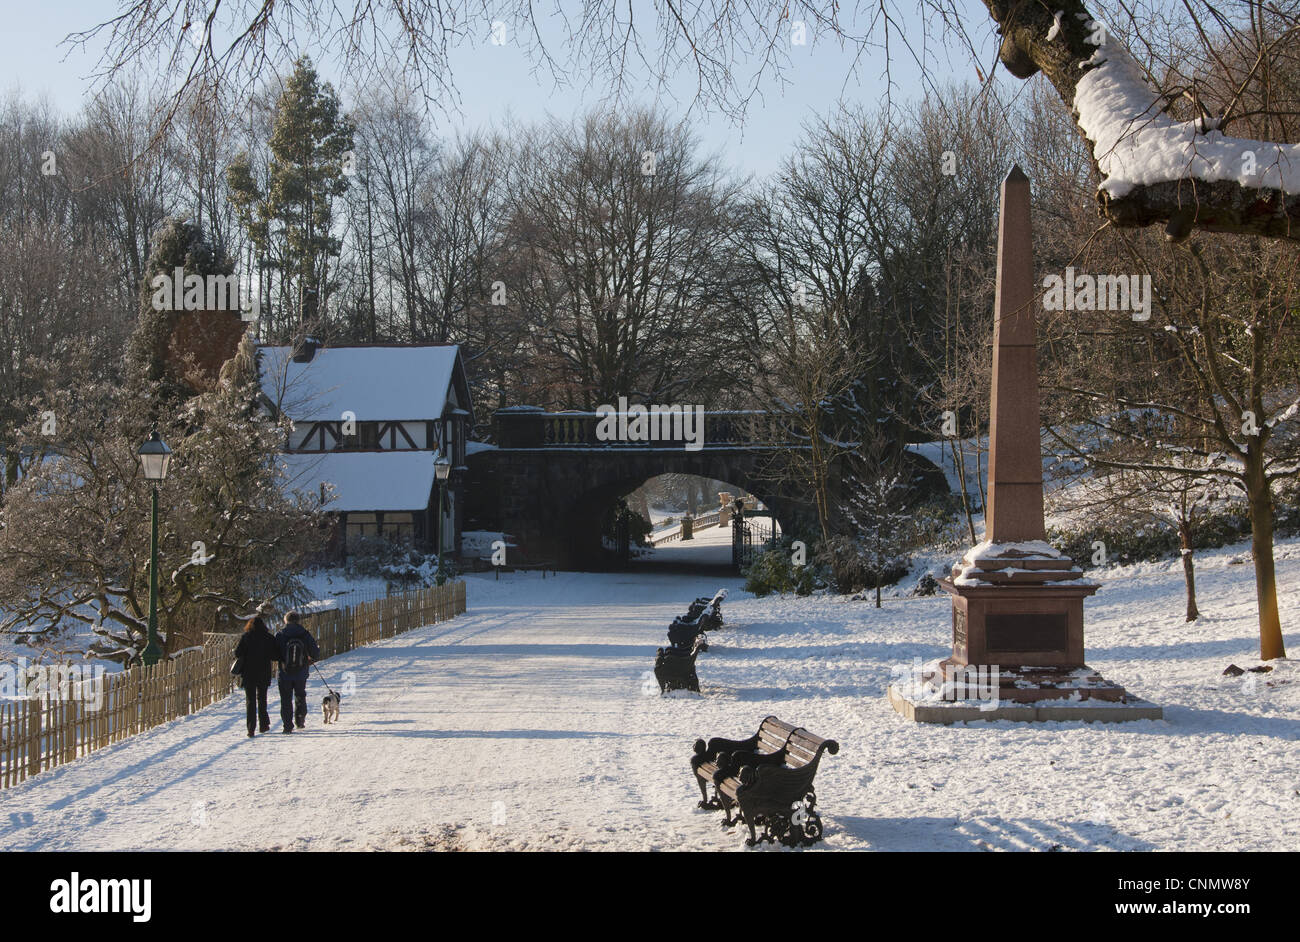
(289, 216)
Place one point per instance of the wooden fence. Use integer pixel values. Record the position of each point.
(73, 718)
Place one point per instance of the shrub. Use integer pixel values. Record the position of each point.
(927, 585)
(377, 557)
(773, 570)
(938, 524)
(638, 527)
(1286, 510)
(1146, 541)
(855, 567)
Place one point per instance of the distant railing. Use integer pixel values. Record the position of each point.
(73, 719)
(704, 520)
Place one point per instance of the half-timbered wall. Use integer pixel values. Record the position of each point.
(368, 436)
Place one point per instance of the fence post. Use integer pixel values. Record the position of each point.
(33, 708)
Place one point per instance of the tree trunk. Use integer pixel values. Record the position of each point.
(1261, 544)
(11, 471)
(959, 465)
(1189, 568)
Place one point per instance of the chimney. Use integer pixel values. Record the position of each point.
(304, 350)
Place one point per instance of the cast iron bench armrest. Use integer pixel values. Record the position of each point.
(709, 752)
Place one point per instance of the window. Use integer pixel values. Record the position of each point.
(399, 528)
(366, 437)
(453, 445)
(360, 526)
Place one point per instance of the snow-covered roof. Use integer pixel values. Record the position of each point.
(365, 480)
(375, 383)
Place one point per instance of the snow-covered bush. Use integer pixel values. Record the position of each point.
(1286, 511)
(377, 557)
(936, 524)
(856, 564)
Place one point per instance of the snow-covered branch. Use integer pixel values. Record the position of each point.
(1154, 169)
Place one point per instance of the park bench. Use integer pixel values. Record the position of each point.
(710, 613)
(702, 615)
(545, 566)
(767, 779)
(675, 666)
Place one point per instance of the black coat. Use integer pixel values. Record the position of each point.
(285, 635)
(257, 649)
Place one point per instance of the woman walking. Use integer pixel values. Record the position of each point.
(255, 651)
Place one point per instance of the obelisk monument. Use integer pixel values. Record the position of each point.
(1014, 513)
(1017, 602)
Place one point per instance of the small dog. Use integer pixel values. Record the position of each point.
(330, 707)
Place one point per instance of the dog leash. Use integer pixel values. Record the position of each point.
(322, 679)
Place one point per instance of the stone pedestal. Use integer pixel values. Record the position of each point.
(1017, 616)
(724, 511)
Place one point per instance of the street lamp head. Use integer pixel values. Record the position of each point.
(155, 457)
(442, 468)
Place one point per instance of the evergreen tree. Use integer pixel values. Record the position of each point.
(178, 244)
(289, 216)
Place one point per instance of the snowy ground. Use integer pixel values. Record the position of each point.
(528, 723)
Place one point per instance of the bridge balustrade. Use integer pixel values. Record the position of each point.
(526, 428)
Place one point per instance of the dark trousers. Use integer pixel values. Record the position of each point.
(256, 694)
(293, 687)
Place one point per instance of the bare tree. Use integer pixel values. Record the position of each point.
(619, 230)
(1220, 369)
(1134, 483)
(1195, 182)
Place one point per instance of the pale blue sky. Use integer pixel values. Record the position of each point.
(495, 80)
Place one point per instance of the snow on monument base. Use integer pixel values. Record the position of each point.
(1043, 711)
(1081, 694)
(1017, 648)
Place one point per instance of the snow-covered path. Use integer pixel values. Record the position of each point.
(528, 723)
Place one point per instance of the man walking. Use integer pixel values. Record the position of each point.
(298, 649)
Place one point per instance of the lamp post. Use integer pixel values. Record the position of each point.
(155, 457)
(441, 468)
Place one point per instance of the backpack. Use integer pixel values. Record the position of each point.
(295, 655)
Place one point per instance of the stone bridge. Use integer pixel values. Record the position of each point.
(551, 479)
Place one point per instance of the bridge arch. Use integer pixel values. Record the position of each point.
(579, 528)
(551, 479)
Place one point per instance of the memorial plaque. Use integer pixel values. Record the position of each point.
(1027, 631)
(958, 630)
